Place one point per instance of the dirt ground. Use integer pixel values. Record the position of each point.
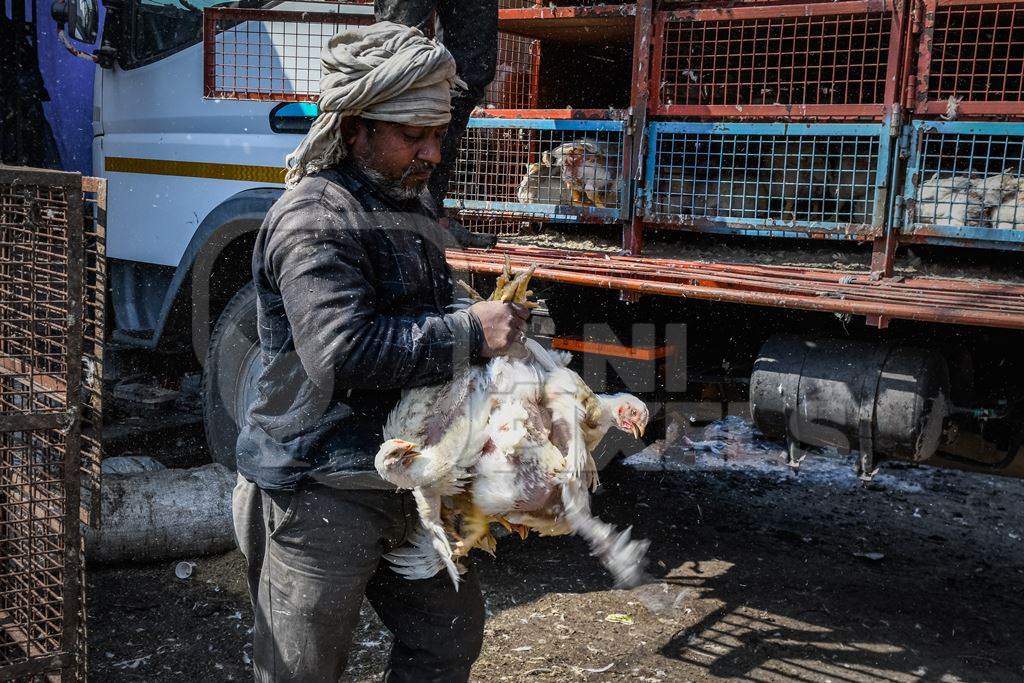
(758, 574)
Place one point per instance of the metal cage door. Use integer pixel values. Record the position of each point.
(42, 264)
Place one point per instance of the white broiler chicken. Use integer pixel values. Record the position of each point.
(963, 200)
(989, 193)
(588, 170)
(542, 184)
(732, 194)
(432, 439)
(528, 468)
(540, 471)
(1009, 215)
(939, 200)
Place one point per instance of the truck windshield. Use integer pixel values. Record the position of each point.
(161, 27)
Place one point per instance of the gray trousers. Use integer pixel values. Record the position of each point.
(469, 29)
(312, 555)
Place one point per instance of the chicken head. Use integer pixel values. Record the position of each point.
(631, 414)
(396, 462)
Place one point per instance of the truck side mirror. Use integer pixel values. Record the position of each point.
(80, 16)
(293, 117)
(83, 20)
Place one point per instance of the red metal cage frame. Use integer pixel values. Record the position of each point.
(930, 18)
(711, 14)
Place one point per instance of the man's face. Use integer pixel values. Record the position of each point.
(400, 158)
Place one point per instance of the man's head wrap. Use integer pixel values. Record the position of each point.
(386, 72)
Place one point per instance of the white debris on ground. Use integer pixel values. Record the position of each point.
(756, 573)
(735, 444)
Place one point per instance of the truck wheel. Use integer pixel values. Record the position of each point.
(229, 378)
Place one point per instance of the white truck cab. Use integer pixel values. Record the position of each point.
(190, 178)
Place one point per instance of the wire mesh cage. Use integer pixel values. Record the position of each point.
(34, 300)
(548, 170)
(971, 59)
(965, 184)
(268, 54)
(821, 180)
(495, 225)
(827, 60)
(274, 54)
(41, 297)
(515, 77)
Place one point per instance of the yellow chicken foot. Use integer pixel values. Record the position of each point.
(473, 294)
(503, 280)
(515, 290)
(577, 196)
(522, 290)
(477, 535)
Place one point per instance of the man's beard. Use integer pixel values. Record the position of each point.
(397, 188)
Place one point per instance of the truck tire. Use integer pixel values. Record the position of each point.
(229, 377)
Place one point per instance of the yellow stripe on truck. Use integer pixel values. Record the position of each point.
(196, 169)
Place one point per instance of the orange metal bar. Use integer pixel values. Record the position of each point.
(607, 349)
(964, 302)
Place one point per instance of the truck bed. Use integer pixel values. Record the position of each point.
(850, 289)
(987, 266)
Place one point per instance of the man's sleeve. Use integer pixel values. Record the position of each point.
(322, 272)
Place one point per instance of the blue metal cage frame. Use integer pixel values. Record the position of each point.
(495, 152)
(800, 160)
(942, 156)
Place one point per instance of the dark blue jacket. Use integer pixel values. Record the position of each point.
(351, 292)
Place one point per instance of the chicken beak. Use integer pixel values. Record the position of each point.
(409, 451)
(637, 430)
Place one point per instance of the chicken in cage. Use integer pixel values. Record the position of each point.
(579, 173)
(771, 179)
(1009, 215)
(542, 184)
(539, 169)
(588, 170)
(971, 200)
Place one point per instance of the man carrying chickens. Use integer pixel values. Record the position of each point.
(352, 289)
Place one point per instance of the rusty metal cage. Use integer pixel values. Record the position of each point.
(817, 180)
(970, 59)
(515, 78)
(546, 170)
(41, 313)
(94, 219)
(831, 61)
(268, 54)
(964, 184)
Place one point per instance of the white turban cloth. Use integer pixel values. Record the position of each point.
(386, 72)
